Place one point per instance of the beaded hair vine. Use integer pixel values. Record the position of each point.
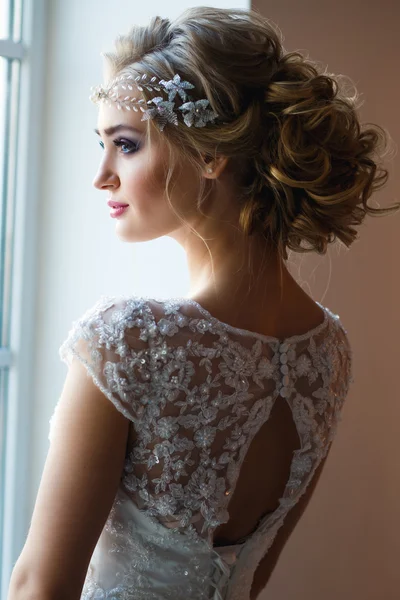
(194, 112)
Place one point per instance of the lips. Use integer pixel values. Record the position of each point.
(113, 204)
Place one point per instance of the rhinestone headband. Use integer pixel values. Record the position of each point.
(194, 112)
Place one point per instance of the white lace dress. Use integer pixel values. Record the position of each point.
(196, 391)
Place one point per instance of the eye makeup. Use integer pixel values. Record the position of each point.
(131, 146)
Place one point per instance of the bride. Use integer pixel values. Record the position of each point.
(191, 432)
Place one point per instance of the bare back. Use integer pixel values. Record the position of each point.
(262, 481)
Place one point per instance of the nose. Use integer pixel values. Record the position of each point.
(105, 178)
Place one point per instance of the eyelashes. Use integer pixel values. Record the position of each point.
(122, 143)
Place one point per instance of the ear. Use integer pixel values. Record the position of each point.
(214, 166)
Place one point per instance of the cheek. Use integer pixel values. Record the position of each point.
(145, 189)
(186, 188)
(144, 181)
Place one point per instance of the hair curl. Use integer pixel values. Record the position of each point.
(304, 164)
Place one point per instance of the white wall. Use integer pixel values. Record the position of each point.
(80, 257)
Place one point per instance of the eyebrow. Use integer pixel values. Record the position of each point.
(111, 130)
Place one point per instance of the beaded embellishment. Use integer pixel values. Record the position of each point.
(163, 109)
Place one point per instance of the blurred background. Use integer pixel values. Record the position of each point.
(59, 254)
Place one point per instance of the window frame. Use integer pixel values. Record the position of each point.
(10, 49)
(19, 357)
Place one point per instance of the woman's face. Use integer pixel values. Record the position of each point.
(131, 172)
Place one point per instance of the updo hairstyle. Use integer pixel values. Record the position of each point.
(304, 165)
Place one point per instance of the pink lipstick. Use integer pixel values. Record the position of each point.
(117, 209)
(116, 212)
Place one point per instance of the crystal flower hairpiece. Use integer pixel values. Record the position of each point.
(195, 113)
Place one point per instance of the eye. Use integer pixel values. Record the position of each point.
(126, 146)
(130, 147)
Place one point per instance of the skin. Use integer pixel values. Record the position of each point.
(245, 271)
(85, 460)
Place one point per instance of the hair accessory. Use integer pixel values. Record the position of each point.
(195, 113)
(209, 170)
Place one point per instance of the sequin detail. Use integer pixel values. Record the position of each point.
(196, 391)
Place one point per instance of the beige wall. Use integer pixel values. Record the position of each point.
(347, 546)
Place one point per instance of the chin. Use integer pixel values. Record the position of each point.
(136, 236)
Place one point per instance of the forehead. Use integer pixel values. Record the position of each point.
(110, 117)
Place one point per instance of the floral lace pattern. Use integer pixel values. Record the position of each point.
(196, 391)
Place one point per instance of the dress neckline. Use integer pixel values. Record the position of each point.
(261, 336)
(269, 338)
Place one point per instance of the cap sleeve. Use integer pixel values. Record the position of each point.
(109, 341)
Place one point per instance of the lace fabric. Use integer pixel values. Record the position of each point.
(196, 391)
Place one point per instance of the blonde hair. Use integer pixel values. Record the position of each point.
(304, 165)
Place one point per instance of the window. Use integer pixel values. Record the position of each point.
(11, 52)
(22, 57)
